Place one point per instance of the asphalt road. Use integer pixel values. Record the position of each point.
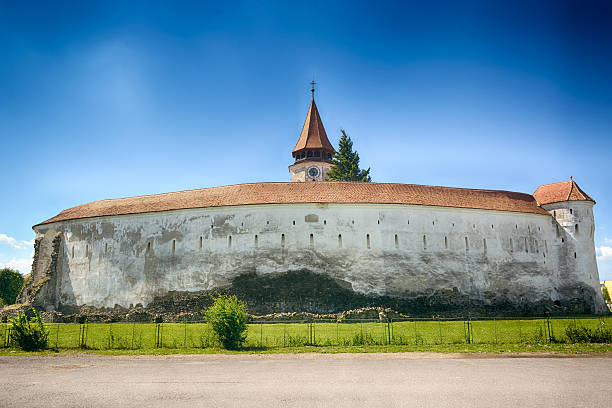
(309, 380)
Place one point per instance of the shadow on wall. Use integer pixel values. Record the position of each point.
(306, 291)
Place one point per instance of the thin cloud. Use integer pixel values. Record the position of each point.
(23, 265)
(604, 253)
(5, 239)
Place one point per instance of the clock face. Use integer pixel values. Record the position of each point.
(313, 172)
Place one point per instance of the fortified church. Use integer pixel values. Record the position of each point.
(312, 245)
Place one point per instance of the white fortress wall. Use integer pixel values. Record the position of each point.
(372, 248)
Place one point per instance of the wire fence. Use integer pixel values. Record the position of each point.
(277, 334)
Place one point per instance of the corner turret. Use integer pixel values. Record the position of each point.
(572, 212)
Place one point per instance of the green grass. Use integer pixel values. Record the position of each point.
(410, 335)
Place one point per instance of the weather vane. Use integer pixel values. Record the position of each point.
(312, 89)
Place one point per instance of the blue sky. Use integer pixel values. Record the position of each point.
(112, 99)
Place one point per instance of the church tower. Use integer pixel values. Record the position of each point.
(313, 152)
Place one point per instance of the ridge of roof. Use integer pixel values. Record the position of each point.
(561, 191)
(313, 135)
(331, 192)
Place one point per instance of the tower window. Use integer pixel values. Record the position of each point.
(324, 222)
(526, 245)
(574, 255)
(148, 247)
(200, 242)
(368, 241)
(293, 222)
(425, 242)
(555, 214)
(445, 242)
(173, 246)
(311, 240)
(317, 154)
(105, 248)
(309, 154)
(339, 240)
(467, 244)
(229, 241)
(256, 241)
(576, 229)
(511, 245)
(396, 241)
(571, 211)
(283, 240)
(73, 252)
(378, 222)
(484, 245)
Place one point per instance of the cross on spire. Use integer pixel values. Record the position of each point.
(312, 87)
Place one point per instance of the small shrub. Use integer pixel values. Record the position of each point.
(579, 334)
(11, 283)
(29, 333)
(227, 318)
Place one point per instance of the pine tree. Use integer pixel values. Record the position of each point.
(345, 164)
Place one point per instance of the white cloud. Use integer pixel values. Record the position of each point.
(5, 239)
(604, 253)
(23, 265)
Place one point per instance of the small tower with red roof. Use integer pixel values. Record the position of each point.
(313, 152)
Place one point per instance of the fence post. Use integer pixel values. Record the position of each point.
(185, 333)
(337, 332)
(110, 336)
(520, 332)
(495, 327)
(284, 334)
(261, 334)
(440, 329)
(57, 336)
(133, 330)
(416, 342)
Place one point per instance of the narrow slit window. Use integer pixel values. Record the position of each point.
(86, 250)
(445, 242)
(537, 246)
(554, 214)
(324, 222)
(200, 242)
(396, 241)
(484, 245)
(425, 242)
(571, 211)
(467, 244)
(378, 222)
(229, 241)
(511, 245)
(526, 245)
(558, 233)
(173, 246)
(106, 248)
(256, 241)
(339, 240)
(148, 247)
(73, 252)
(293, 222)
(574, 255)
(545, 246)
(576, 229)
(311, 240)
(283, 240)
(368, 241)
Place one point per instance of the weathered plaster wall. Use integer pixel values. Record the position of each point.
(396, 251)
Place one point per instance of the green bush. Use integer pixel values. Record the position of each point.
(227, 318)
(579, 334)
(11, 283)
(29, 333)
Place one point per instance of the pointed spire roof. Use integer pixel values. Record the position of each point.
(313, 136)
(558, 192)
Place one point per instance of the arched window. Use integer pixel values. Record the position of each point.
(311, 240)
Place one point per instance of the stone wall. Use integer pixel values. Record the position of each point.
(414, 259)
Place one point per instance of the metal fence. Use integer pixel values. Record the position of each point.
(276, 334)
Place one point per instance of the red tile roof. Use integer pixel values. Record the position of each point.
(313, 136)
(318, 192)
(562, 191)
